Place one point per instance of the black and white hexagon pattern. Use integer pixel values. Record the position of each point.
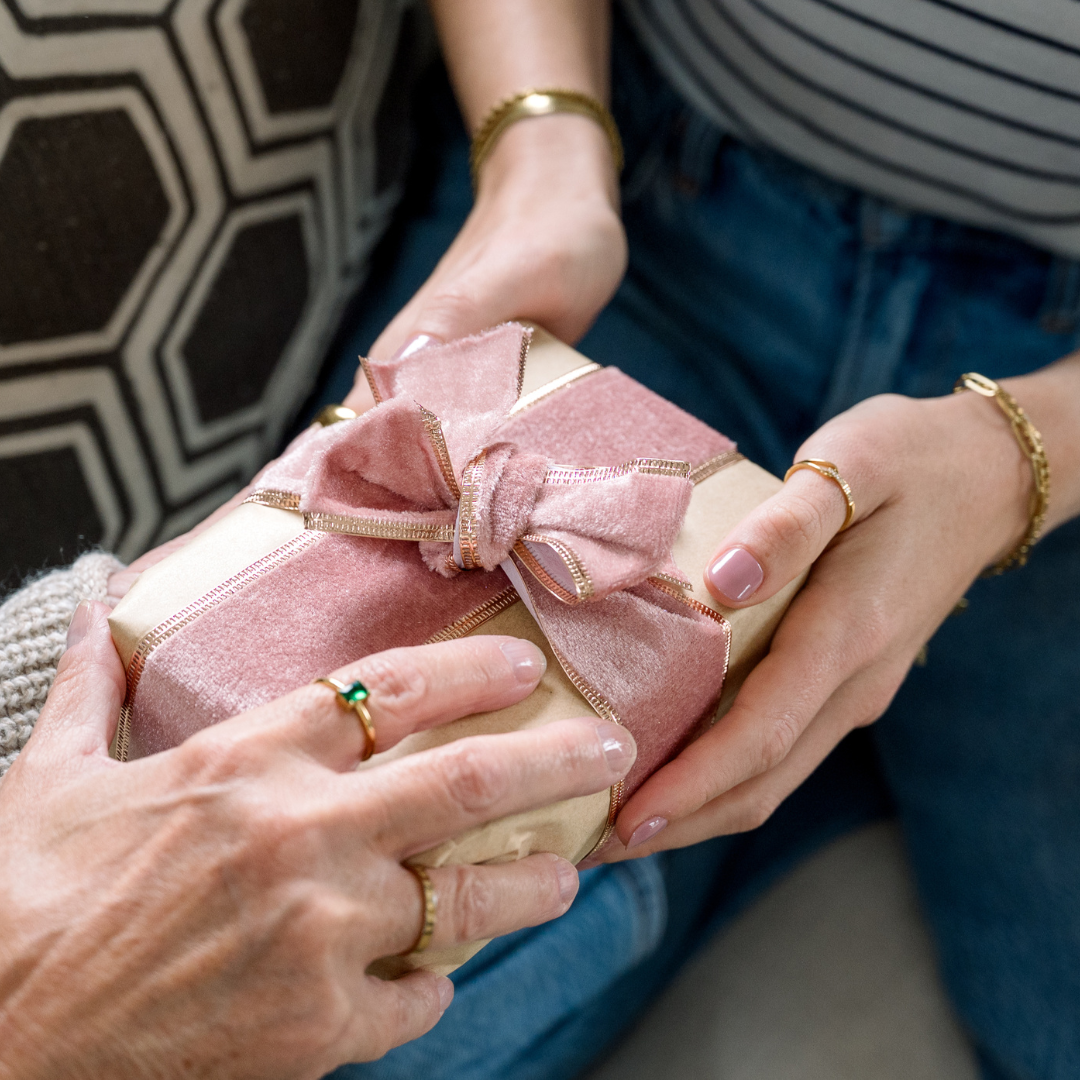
(188, 192)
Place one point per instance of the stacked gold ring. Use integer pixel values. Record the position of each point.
(830, 472)
(354, 696)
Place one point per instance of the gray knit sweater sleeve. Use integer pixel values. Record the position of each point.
(33, 628)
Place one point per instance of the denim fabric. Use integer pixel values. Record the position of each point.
(765, 298)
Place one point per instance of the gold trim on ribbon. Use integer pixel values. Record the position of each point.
(163, 631)
(672, 580)
(582, 581)
(542, 392)
(568, 474)
(664, 584)
(603, 708)
(378, 528)
(370, 380)
(279, 500)
(477, 617)
(714, 465)
(523, 355)
(433, 427)
(468, 531)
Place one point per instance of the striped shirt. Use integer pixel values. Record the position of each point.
(969, 109)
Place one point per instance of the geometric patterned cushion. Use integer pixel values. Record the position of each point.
(189, 193)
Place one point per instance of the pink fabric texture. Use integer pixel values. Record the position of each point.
(657, 660)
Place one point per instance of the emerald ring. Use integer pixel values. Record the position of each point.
(354, 696)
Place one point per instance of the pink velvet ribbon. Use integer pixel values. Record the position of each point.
(588, 548)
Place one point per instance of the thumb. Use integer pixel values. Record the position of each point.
(778, 540)
(80, 714)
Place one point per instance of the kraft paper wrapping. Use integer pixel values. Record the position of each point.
(571, 828)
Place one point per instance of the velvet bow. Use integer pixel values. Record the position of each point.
(428, 465)
(436, 464)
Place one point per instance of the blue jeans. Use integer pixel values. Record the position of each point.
(765, 298)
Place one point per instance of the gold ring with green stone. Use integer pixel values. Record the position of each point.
(354, 696)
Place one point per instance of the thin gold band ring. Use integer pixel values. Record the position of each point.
(354, 696)
(430, 901)
(830, 472)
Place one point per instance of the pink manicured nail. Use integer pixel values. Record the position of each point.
(528, 662)
(80, 623)
(415, 344)
(646, 831)
(736, 575)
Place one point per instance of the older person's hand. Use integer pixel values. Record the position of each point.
(211, 910)
(941, 490)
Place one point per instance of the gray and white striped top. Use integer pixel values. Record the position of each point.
(965, 108)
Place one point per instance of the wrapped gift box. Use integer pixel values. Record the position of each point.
(504, 485)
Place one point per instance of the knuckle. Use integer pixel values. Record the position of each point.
(877, 628)
(398, 684)
(877, 701)
(474, 904)
(451, 310)
(759, 810)
(221, 754)
(777, 741)
(474, 781)
(795, 520)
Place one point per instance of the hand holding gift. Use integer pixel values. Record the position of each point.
(498, 488)
(213, 908)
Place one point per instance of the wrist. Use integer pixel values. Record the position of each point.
(563, 152)
(1051, 399)
(999, 479)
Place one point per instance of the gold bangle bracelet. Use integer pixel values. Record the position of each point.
(532, 103)
(1031, 444)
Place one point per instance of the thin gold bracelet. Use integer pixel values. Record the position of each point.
(1031, 444)
(532, 103)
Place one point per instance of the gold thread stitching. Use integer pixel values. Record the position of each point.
(477, 617)
(582, 581)
(370, 380)
(468, 533)
(672, 580)
(714, 465)
(550, 388)
(163, 631)
(433, 427)
(568, 474)
(378, 528)
(663, 584)
(602, 707)
(523, 355)
(279, 500)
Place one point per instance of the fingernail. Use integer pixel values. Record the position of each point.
(415, 344)
(646, 831)
(527, 661)
(446, 993)
(80, 623)
(619, 747)
(736, 575)
(568, 880)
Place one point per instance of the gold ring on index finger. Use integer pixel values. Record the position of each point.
(830, 472)
(354, 696)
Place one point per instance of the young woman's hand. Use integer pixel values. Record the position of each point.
(941, 491)
(544, 243)
(212, 910)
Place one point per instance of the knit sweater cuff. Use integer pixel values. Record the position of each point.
(33, 630)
